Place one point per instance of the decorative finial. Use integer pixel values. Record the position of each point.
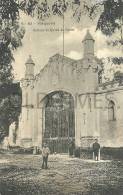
(88, 36)
(29, 60)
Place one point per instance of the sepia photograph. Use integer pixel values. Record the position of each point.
(61, 97)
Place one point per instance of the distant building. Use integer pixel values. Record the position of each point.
(66, 101)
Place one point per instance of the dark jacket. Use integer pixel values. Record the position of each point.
(96, 146)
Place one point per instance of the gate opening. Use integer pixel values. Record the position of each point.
(59, 121)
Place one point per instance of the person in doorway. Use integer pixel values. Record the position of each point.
(45, 154)
(71, 148)
(96, 149)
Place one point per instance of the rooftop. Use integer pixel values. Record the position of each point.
(88, 36)
(30, 61)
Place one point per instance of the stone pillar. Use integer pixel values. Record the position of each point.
(40, 125)
(86, 115)
(26, 127)
(29, 74)
(88, 44)
(77, 128)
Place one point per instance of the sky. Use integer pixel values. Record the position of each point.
(41, 45)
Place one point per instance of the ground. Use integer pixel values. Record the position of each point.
(23, 175)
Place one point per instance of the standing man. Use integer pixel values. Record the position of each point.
(96, 149)
(45, 154)
(71, 148)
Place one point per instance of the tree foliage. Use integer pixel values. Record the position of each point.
(110, 19)
(118, 76)
(43, 8)
(11, 35)
(108, 12)
(10, 108)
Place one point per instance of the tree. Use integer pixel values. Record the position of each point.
(11, 35)
(110, 23)
(109, 12)
(118, 76)
(10, 108)
(110, 17)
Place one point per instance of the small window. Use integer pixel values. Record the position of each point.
(111, 111)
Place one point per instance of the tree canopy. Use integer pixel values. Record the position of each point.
(109, 12)
(11, 34)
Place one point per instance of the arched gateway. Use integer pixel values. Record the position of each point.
(58, 121)
(61, 103)
(54, 102)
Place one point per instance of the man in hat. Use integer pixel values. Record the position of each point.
(45, 154)
(71, 148)
(96, 149)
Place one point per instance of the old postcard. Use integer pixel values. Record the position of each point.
(61, 97)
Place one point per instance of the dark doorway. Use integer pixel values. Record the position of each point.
(59, 124)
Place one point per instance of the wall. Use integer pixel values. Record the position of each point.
(111, 132)
(60, 74)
